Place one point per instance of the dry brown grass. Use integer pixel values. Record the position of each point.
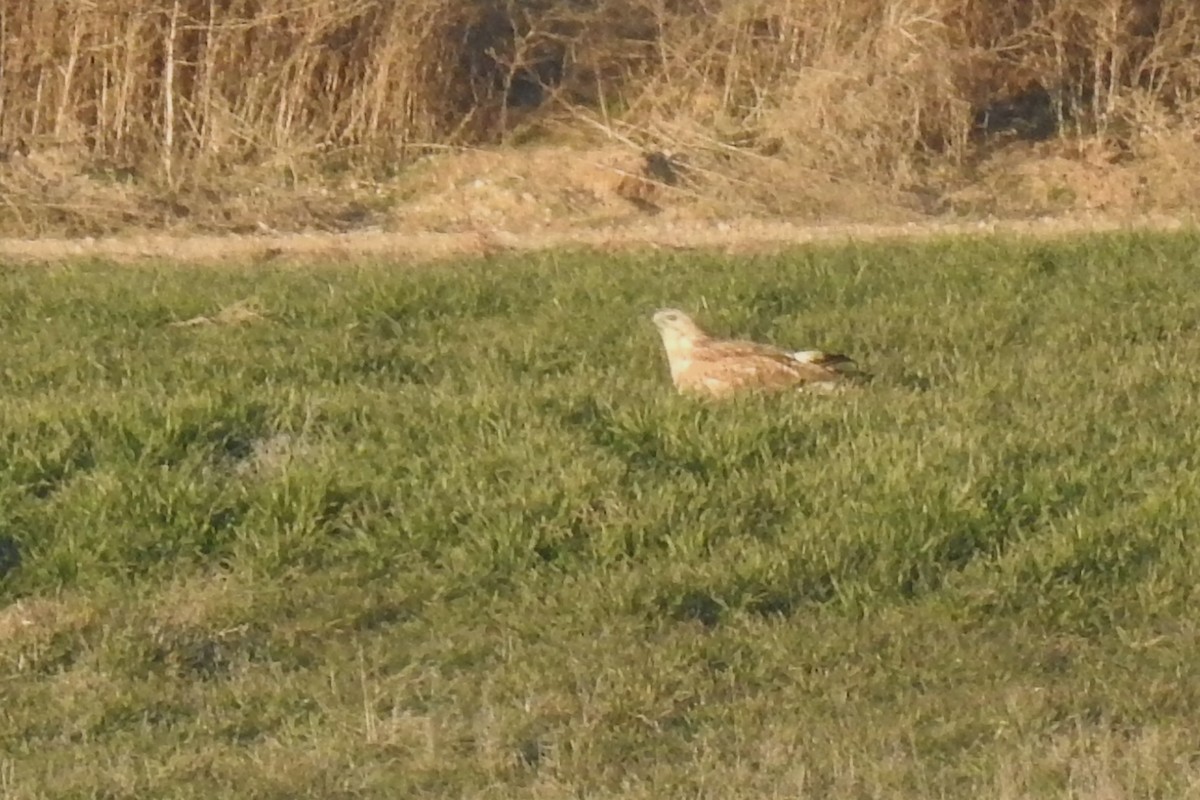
(185, 112)
(239, 313)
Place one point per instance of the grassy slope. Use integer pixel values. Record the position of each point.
(502, 559)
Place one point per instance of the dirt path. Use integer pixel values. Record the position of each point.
(732, 236)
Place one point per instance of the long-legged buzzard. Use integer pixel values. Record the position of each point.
(701, 364)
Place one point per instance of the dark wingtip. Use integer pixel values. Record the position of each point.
(836, 360)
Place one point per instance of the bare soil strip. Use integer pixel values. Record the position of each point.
(731, 236)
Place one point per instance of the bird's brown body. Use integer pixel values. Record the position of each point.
(701, 364)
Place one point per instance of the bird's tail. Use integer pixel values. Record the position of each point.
(836, 361)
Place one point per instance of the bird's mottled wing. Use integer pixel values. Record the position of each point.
(734, 365)
(714, 350)
(768, 360)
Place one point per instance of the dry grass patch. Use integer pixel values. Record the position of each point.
(29, 626)
(240, 313)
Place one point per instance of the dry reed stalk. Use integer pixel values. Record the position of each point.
(858, 89)
(168, 148)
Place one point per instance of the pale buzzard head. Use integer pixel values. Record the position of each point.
(677, 328)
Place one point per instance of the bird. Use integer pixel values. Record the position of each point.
(703, 365)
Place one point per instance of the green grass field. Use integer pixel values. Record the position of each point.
(447, 531)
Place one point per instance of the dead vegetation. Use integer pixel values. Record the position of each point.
(228, 115)
(239, 313)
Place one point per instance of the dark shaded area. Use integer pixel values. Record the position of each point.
(10, 556)
(1031, 116)
(696, 606)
